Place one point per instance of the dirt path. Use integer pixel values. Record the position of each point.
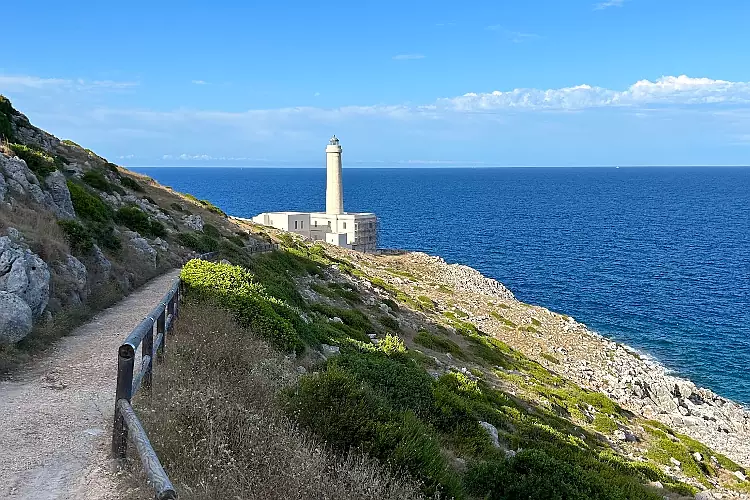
(56, 418)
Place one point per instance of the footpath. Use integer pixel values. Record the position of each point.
(56, 417)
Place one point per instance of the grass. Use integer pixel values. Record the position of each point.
(39, 161)
(216, 425)
(137, 220)
(502, 319)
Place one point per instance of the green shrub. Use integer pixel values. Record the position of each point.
(177, 207)
(348, 414)
(96, 180)
(132, 184)
(351, 317)
(235, 288)
(211, 231)
(198, 241)
(440, 344)
(392, 344)
(137, 220)
(389, 322)
(78, 236)
(38, 161)
(87, 205)
(6, 111)
(535, 474)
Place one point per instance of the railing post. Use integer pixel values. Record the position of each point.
(171, 308)
(160, 323)
(147, 349)
(177, 300)
(125, 362)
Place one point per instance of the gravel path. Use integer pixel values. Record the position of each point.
(56, 417)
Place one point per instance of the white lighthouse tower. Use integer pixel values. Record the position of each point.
(358, 231)
(334, 186)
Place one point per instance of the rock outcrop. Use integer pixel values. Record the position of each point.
(463, 278)
(142, 247)
(59, 195)
(194, 222)
(15, 318)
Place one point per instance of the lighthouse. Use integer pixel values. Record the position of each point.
(334, 186)
(357, 231)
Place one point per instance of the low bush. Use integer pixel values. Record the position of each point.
(131, 184)
(211, 231)
(389, 322)
(198, 241)
(440, 344)
(351, 317)
(78, 236)
(88, 206)
(96, 180)
(6, 112)
(236, 289)
(137, 220)
(38, 161)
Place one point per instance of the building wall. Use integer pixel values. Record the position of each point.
(359, 231)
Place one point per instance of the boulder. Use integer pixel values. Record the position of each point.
(99, 266)
(20, 179)
(141, 246)
(59, 195)
(24, 274)
(74, 274)
(329, 350)
(15, 318)
(492, 431)
(194, 222)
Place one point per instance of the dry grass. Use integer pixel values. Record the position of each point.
(39, 228)
(214, 421)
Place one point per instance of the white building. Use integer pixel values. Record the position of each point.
(358, 231)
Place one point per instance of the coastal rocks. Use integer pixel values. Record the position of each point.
(59, 195)
(194, 222)
(24, 274)
(3, 188)
(464, 278)
(15, 318)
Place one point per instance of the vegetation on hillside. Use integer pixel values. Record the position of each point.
(380, 399)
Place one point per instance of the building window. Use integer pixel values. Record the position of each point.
(329, 224)
(302, 224)
(344, 225)
(295, 224)
(316, 223)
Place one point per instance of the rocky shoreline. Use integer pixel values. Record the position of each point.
(638, 383)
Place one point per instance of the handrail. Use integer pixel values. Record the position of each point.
(126, 423)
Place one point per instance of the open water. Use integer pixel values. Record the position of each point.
(657, 258)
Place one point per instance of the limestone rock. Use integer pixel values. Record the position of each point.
(3, 188)
(15, 318)
(141, 246)
(194, 222)
(61, 203)
(20, 179)
(74, 274)
(492, 431)
(329, 350)
(25, 274)
(99, 266)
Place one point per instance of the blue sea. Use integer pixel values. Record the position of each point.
(657, 258)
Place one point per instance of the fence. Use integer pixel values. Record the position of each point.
(126, 424)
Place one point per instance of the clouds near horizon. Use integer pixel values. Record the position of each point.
(566, 119)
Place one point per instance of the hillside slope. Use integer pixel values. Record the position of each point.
(77, 233)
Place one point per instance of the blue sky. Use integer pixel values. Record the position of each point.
(534, 82)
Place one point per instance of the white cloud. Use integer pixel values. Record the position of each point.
(20, 83)
(199, 82)
(681, 90)
(316, 94)
(608, 3)
(407, 57)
